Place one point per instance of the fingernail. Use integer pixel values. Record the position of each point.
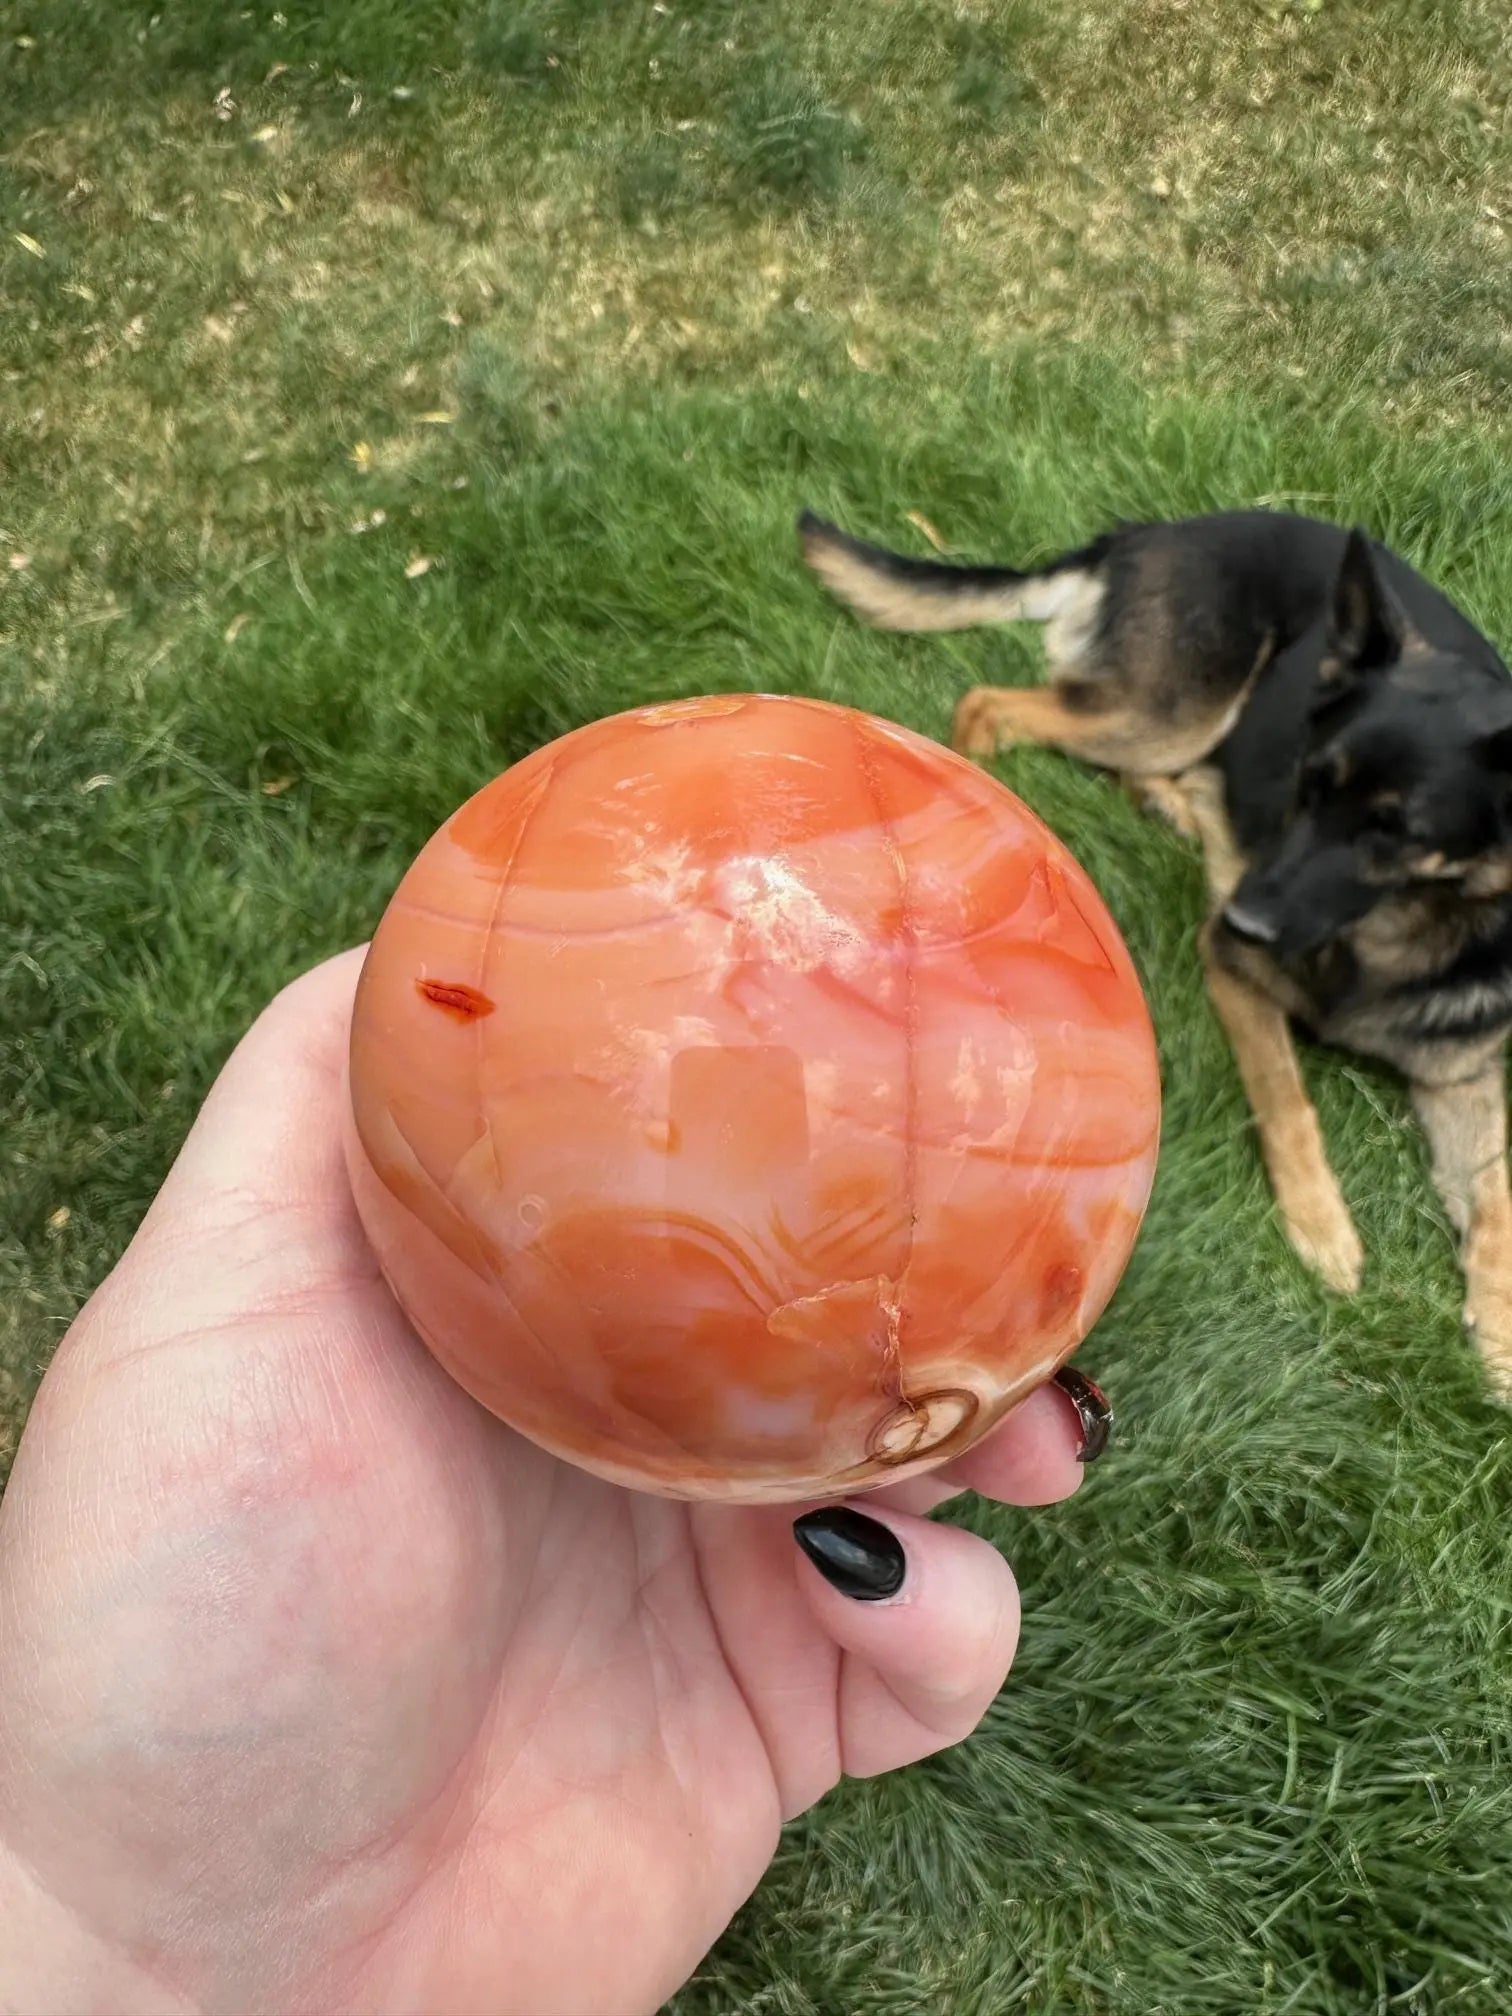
(859, 1556)
(1092, 1410)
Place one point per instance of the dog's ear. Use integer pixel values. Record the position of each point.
(1365, 626)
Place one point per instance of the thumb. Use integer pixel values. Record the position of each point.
(927, 1618)
(259, 1184)
(269, 1131)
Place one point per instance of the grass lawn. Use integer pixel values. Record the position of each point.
(386, 388)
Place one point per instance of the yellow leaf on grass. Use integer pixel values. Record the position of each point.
(28, 244)
(917, 518)
(237, 624)
(420, 564)
(362, 457)
(276, 786)
(438, 416)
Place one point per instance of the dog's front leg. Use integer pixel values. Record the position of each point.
(1466, 1126)
(1307, 1192)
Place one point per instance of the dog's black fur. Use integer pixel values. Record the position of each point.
(1339, 734)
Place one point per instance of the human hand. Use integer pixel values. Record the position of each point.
(323, 1691)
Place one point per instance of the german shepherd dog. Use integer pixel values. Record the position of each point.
(1338, 736)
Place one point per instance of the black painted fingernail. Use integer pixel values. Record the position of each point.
(858, 1556)
(1092, 1410)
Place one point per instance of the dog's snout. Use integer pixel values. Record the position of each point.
(1249, 924)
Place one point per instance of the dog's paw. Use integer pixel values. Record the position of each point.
(978, 729)
(1163, 798)
(1321, 1230)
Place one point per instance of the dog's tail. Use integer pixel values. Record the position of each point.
(896, 592)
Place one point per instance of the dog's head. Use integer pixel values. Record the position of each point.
(1406, 780)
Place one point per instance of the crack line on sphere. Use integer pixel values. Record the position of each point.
(495, 993)
(893, 1384)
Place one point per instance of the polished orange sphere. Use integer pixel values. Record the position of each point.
(750, 1100)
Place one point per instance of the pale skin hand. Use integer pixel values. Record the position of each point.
(321, 1691)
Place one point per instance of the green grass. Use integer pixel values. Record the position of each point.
(1019, 268)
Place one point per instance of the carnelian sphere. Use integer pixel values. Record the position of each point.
(751, 1099)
